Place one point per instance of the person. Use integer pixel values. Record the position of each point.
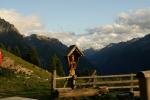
(72, 66)
(72, 73)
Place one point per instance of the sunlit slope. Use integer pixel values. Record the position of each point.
(18, 77)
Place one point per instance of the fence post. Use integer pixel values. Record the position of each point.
(131, 78)
(54, 79)
(144, 83)
(94, 79)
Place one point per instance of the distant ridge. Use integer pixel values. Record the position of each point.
(124, 57)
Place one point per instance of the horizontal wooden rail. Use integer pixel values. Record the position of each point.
(123, 87)
(63, 89)
(113, 76)
(89, 77)
(61, 78)
(109, 82)
(107, 76)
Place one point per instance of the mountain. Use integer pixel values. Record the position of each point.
(124, 57)
(39, 48)
(46, 48)
(89, 52)
(11, 39)
(85, 67)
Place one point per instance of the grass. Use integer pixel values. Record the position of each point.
(36, 85)
(37, 71)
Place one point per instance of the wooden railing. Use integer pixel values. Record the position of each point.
(125, 81)
(112, 81)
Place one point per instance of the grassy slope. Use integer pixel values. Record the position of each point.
(12, 84)
(34, 86)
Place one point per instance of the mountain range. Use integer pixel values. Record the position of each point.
(44, 47)
(124, 57)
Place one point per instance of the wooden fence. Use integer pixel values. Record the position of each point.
(125, 81)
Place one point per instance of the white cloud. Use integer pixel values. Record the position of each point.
(127, 25)
(25, 24)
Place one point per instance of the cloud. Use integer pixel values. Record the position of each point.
(128, 25)
(25, 24)
(139, 17)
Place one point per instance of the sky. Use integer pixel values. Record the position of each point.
(86, 23)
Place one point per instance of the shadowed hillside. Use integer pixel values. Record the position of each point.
(47, 48)
(124, 57)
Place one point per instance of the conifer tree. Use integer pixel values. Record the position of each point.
(33, 57)
(2, 46)
(9, 49)
(55, 64)
(17, 51)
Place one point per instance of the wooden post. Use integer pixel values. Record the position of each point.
(144, 83)
(94, 79)
(54, 79)
(131, 84)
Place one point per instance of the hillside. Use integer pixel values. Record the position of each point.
(20, 78)
(124, 57)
